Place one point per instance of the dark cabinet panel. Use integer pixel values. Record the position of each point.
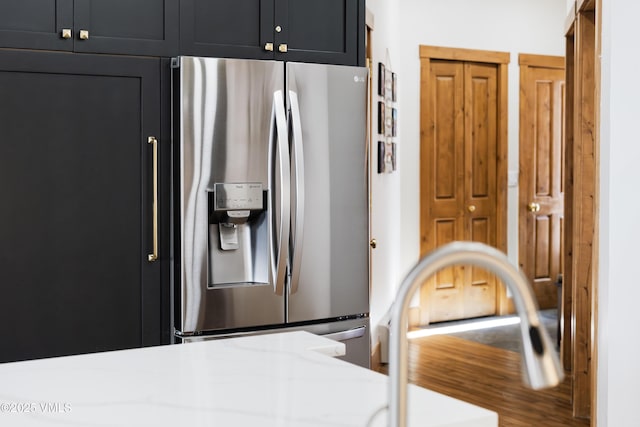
(226, 28)
(289, 30)
(140, 27)
(75, 226)
(318, 31)
(36, 24)
(144, 27)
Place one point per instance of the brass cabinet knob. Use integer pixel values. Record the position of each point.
(278, 28)
(533, 207)
(66, 33)
(268, 47)
(282, 48)
(84, 35)
(471, 208)
(373, 243)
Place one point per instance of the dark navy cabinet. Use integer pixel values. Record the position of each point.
(84, 84)
(140, 27)
(327, 31)
(76, 184)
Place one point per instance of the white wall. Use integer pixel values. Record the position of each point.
(524, 26)
(618, 372)
(385, 188)
(400, 26)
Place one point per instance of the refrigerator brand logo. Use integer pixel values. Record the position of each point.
(358, 79)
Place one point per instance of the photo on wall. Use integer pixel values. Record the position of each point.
(394, 87)
(380, 156)
(381, 78)
(393, 156)
(381, 117)
(394, 122)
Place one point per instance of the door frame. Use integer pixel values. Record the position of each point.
(583, 44)
(501, 60)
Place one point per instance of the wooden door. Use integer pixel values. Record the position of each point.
(541, 206)
(459, 183)
(480, 182)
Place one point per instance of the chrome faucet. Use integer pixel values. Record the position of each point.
(542, 365)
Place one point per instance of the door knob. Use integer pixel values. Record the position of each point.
(84, 35)
(471, 208)
(373, 243)
(534, 207)
(282, 48)
(268, 47)
(66, 33)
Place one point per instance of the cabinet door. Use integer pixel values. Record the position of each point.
(327, 31)
(76, 191)
(226, 28)
(140, 27)
(36, 24)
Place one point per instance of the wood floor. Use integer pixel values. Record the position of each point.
(488, 377)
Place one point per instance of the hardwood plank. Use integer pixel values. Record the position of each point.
(488, 377)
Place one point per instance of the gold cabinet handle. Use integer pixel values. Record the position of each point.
(283, 48)
(268, 47)
(373, 243)
(533, 207)
(66, 33)
(471, 208)
(154, 143)
(84, 35)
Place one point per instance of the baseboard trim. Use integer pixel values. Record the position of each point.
(375, 358)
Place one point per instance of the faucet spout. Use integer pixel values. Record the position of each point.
(542, 365)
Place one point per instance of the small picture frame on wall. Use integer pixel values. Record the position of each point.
(380, 157)
(393, 156)
(381, 78)
(388, 157)
(381, 117)
(394, 122)
(394, 87)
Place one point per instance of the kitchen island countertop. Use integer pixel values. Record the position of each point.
(283, 379)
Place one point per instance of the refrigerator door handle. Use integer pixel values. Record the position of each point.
(297, 174)
(347, 335)
(280, 199)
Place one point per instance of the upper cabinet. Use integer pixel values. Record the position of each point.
(140, 27)
(326, 31)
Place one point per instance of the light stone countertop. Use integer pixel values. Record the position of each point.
(284, 379)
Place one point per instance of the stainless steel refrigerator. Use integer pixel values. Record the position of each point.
(270, 200)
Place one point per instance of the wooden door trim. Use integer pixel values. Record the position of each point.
(584, 41)
(596, 200)
(545, 61)
(501, 59)
(585, 5)
(567, 268)
(582, 282)
(460, 54)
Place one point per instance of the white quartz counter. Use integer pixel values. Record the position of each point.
(269, 380)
